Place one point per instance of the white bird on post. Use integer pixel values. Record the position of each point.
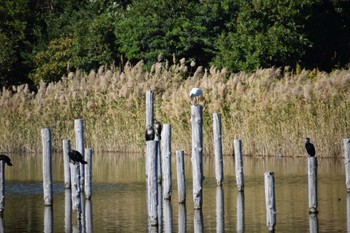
(196, 95)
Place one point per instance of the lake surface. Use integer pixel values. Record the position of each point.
(119, 202)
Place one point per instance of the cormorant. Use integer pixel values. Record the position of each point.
(149, 133)
(76, 157)
(195, 94)
(6, 159)
(157, 128)
(310, 147)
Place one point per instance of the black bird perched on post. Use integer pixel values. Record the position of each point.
(149, 133)
(310, 147)
(157, 128)
(76, 157)
(6, 159)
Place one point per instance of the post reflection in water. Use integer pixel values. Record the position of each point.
(313, 223)
(48, 219)
(160, 207)
(88, 216)
(182, 220)
(348, 211)
(198, 221)
(240, 212)
(168, 216)
(220, 209)
(67, 211)
(2, 226)
(81, 218)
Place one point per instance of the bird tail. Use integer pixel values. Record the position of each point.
(9, 163)
(83, 162)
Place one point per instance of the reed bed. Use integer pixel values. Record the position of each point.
(271, 110)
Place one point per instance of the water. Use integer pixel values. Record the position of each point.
(119, 197)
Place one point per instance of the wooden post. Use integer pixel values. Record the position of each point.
(168, 216)
(47, 165)
(159, 161)
(239, 164)
(217, 129)
(79, 144)
(88, 173)
(197, 154)
(182, 219)
(48, 219)
(166, 156)
(66, 149)
(75, 186)
(346, 143)
(240, 212)
(312, 184)
(270, 199)
(152, 184)
(68, 210)
(149, 114)
(181, 180)
(160, 206)
(220, 209)
(2, 186)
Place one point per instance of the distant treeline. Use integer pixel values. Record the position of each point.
(42, 40)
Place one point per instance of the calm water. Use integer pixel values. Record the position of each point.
(119, 197)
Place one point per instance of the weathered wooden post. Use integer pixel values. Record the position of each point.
(181, 180)
(197, 154)
(240, 212)
(182, 219)
(88, 173)
(346, 143)
(220, 209)
(66, 150)
(312, 184)
(79, 144)
(47, 166)
(166, 156)
(152, 184)
(198, 221)
(239, 164)
(2, 186)
(160, 206)
(168, 216)
(270, 198)
(48, 219)
(75, 186)
(217, 129)
(68, 210)
(149, 115)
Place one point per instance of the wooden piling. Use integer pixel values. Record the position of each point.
(149, 114)
(88, 216)
(47, 166)
(217, 129)
(312, 184)
(2, 186)
(152, 184)
(88, 173)
(197, 154)
(182, 218)
(75, 187)
(239, 164)
(181, 180)
(66, 150)
(270, 198)
(346, 143)
(166, 162)
(220, 209)
(79, 144)
(68, 210)
(313, 223)
(168, 216)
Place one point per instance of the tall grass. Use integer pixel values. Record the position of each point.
(272, 110)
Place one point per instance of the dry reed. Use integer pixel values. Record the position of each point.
(271, 110)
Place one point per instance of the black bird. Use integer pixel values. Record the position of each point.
(149, 133)
(157, 128)
(310, 147)
(76, 157)
(6, 159)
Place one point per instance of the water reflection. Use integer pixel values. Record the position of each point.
(67, 211)
(220, 210)
(2, 226)
(168, 216)
(160, 208)
(182, 220)
(88, 216)
(48, 219)
(313, 223)
(348, 211)
(240, 212)
(198, 221)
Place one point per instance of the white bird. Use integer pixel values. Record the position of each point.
(195, 94)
